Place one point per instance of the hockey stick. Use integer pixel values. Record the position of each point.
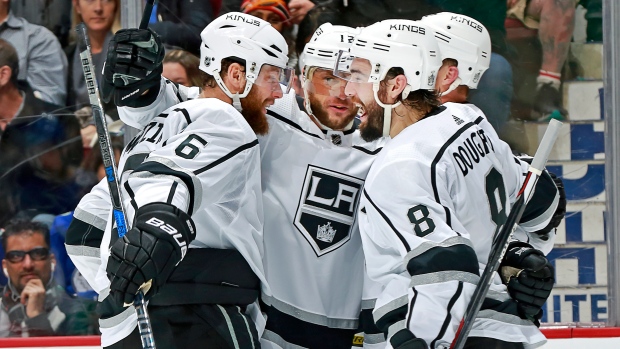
(500, 243)
(107, 153)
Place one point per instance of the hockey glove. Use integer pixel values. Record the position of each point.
(404, 339)
(133, 66)
(529, 277)
(146, 256)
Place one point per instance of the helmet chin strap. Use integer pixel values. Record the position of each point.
(387, 108)
(237, 102)
(236, 98)
(456, 83)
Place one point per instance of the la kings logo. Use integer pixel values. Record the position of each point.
(327, 208)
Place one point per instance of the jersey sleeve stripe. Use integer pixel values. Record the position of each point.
(391, 312)
(133, 161)
(132, 196)
(448, 318)
(227, 156)
(172, 191)
(81, 233)
(436, 161)
(458, 257)
(387, 220)
(185, 114)
(395, 328)
(479, 120)
(443, 276)
(163, 166)
(89, 218)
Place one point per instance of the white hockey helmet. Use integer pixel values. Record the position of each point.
(326, 42)
(407, 44)
(402, 43)
(464, 39)
(245, 37)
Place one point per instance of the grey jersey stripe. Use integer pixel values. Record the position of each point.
(310, 317)
(397, 326)
(83, 251)
(390, 306)
(368, 303)
(117, 319)
(427, 245)
(90, 218)
(443, 276)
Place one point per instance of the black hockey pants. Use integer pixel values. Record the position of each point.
(196, 326)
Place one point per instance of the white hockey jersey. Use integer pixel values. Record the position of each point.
(433, 200)
(202, 157)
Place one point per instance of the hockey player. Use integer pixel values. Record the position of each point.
(191, 189)
(434, 197)
(465, 48)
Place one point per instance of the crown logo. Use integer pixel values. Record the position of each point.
(326, 233)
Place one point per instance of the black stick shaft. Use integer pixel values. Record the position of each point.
(146, 15)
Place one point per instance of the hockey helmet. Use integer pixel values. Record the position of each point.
(242, 36)
(406, 44)
(464, 39)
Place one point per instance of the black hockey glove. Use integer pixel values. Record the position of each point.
(404, 339)
(146, 256)
(529, 277)
(133, 66)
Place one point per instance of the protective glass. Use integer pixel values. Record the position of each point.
(275, 78)
(36, 254)
(352, 69)
(324, 82)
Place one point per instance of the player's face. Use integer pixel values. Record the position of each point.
(34, 265)
(371, 113)
(263, 94)
(329, 104)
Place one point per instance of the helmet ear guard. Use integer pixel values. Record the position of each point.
(464, 39)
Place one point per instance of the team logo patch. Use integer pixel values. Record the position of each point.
(327, 208)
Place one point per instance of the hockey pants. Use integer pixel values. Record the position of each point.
(197, 326)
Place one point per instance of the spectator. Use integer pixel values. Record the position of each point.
(40, 150)
(555, 21)
(52, 14)
(182, 67)
(32, 303)
(41, 61)
(277, 14)
(101, 17)
(181, 21)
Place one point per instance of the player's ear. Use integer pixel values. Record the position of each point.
(396, 87)
(235, 76)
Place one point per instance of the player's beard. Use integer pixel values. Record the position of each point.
(319, 111)
(252, 110)
(372, 128)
